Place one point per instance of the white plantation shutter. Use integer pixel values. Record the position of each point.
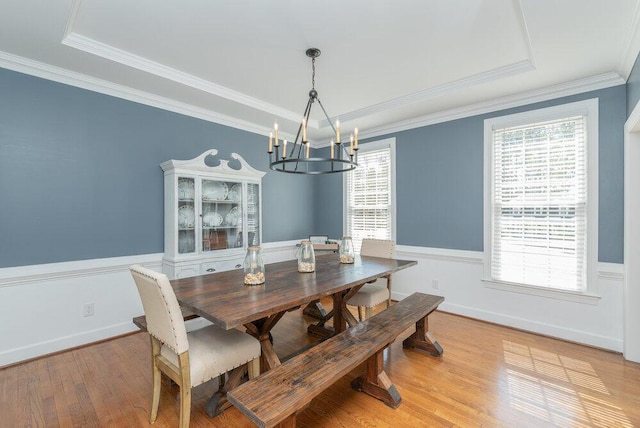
(368, 197)
(539, 204)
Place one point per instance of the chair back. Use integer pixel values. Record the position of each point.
(161, 308)
(378, 248)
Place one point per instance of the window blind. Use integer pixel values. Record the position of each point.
(369, 197)
(540, 204)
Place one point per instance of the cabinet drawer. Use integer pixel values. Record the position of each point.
(186, 271)
(211, 267)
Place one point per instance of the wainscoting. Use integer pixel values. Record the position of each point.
(459, 279)
(41, 307)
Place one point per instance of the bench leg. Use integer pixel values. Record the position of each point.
(290, 422)
(424, 340)
(376, 383)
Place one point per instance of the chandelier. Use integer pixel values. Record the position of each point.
(343, 157)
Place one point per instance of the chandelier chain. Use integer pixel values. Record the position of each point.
(313, 74)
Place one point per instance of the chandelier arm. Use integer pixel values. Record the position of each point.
(306, 113)
(307, 110)
(327, 116)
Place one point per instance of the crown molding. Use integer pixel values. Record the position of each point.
(61, 75)
(524, 29)
(436, 91)
(632, 46)
(94, 47)
(601, 81)
(71, 19)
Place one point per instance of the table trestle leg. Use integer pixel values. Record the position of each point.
(218, 401)
(261, 330)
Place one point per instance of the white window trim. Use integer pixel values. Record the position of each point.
(586, 107)
(375, 145)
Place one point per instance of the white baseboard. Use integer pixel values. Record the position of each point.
(66, 342)
(539, 327)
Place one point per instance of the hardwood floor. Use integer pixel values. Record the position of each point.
(489, 376)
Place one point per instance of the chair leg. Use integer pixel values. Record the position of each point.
(359, 313)
(254, 368)
(156, 379)
(185, 390)
(368, 312)
(389, 288)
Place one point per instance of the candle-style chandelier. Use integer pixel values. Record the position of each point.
(297, 161)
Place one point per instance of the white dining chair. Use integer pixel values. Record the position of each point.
(188, 358)
(379, 291)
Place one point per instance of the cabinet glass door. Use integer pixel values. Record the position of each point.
(186, 215)
(221, 215)
(253, 214)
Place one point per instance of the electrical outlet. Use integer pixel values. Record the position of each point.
(435, 284)
(87, 310)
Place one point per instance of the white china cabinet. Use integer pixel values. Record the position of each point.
(211, 214)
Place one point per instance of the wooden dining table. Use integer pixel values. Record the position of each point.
(224, 300)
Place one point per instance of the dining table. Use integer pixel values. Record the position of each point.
(223, 299)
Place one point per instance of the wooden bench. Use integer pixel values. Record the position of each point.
(275, 397)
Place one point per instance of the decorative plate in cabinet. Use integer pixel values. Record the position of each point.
(214, 190)
(186, 216)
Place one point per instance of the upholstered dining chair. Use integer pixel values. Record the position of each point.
(372, 294)
(187, 358)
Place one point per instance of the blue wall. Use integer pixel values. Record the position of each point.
(439, 180)
(328, 204)
(80, 175)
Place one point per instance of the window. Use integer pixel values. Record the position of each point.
(369, 193)
(541, 198)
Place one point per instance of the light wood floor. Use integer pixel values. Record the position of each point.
(489, 376)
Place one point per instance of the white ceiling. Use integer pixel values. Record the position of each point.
(384, 65)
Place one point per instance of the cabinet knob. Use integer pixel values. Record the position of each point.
(238, 266)
(211, 270)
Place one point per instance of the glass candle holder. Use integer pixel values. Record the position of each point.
(347, 253)
(306, 257)
(253, 267)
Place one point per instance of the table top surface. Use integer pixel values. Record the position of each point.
(223, 299)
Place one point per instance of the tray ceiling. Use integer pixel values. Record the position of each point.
(384, 65)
